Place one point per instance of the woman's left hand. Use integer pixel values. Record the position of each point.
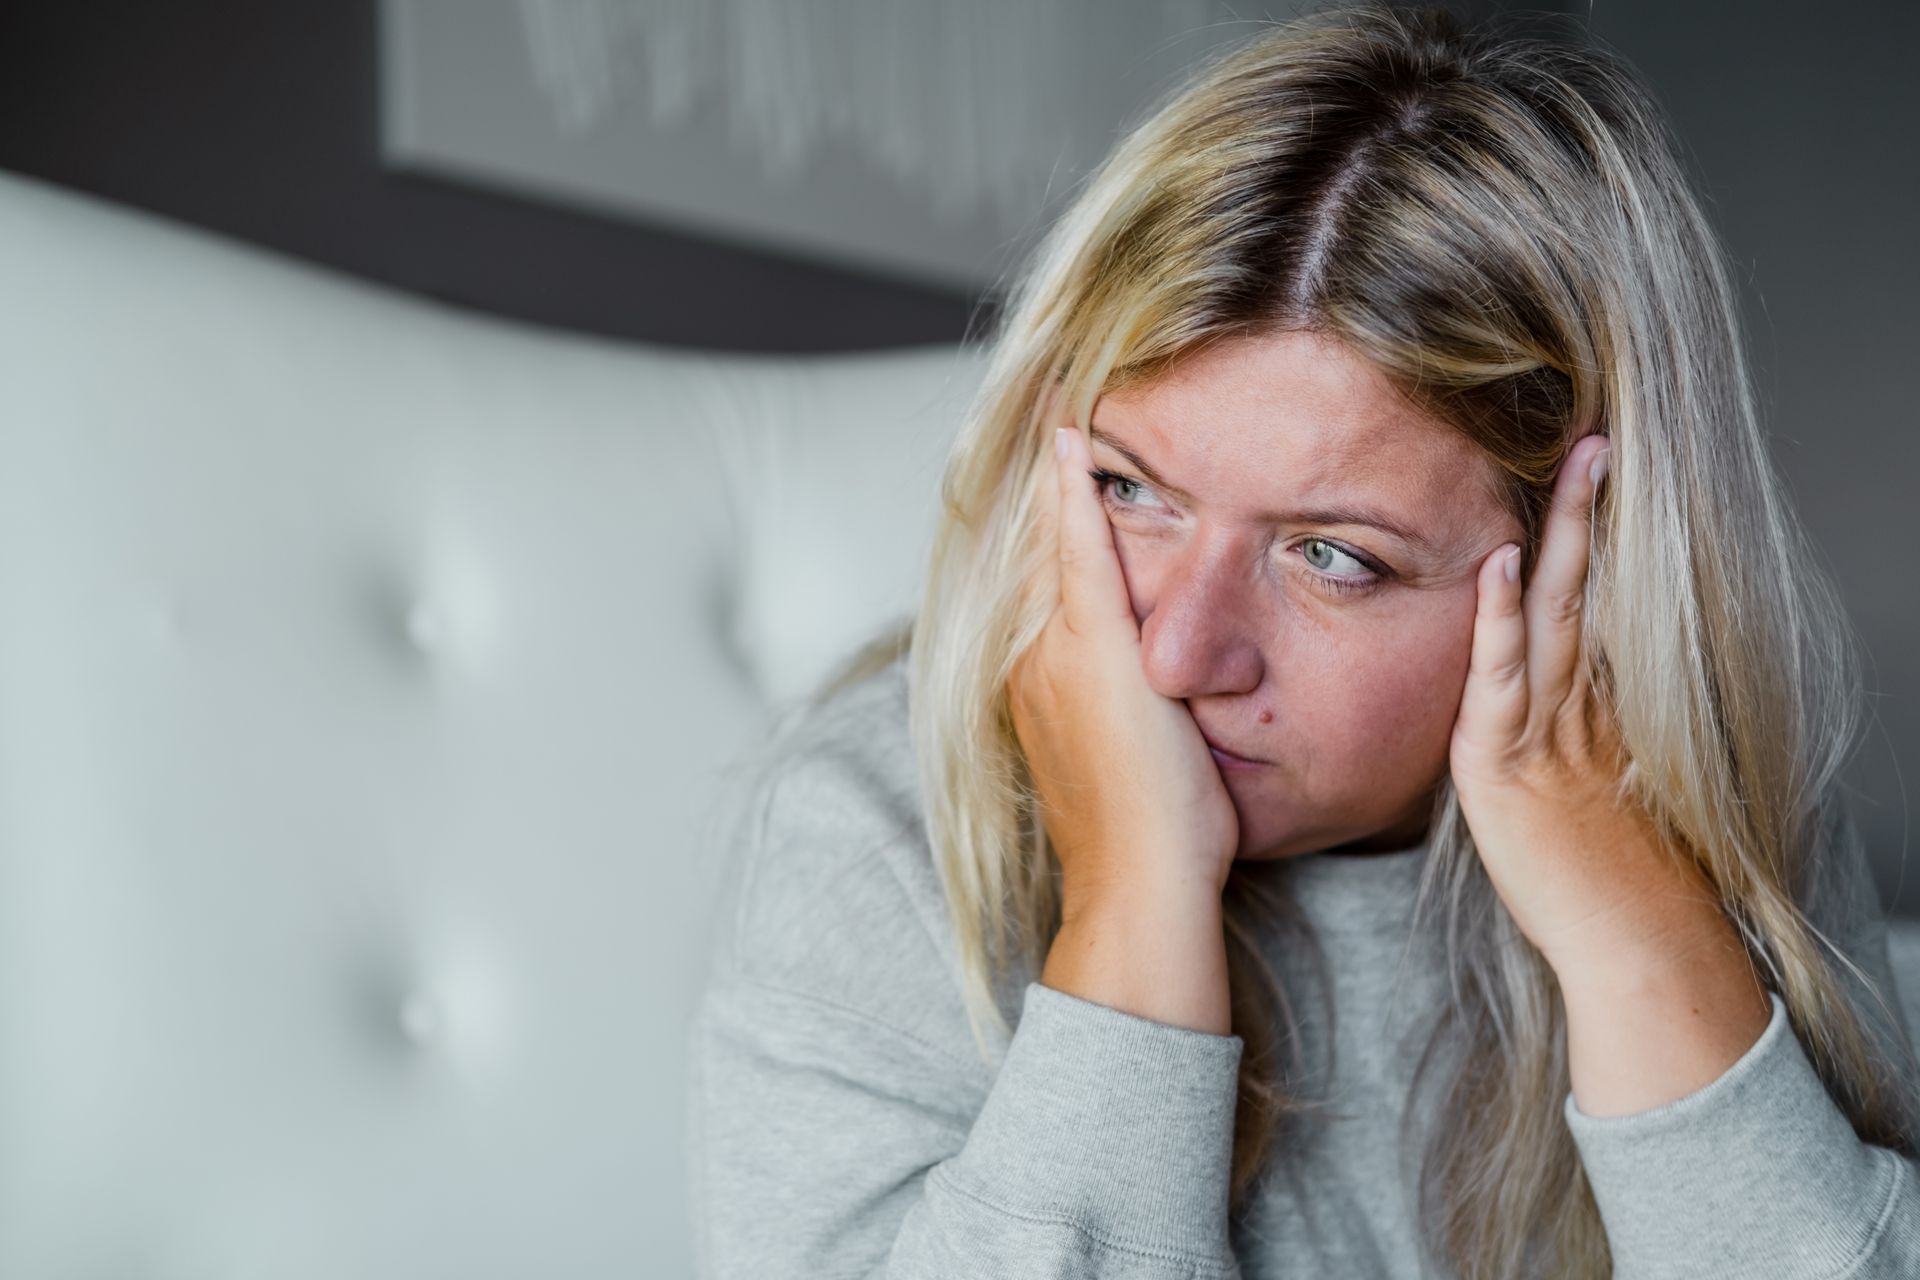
(1537, 760)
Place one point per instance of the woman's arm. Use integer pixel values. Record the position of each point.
(1159, 953)
(1719, 1151)
(841, 1122)
(828, 1146)
(1759, 1172)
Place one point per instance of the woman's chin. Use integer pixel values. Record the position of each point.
(1257, 845)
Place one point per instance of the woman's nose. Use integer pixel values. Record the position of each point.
(1203, 633)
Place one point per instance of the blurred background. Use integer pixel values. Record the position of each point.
(538, 225)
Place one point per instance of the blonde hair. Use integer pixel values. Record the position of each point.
(1499, 222)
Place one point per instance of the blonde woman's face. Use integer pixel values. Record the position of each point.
(1300, 549)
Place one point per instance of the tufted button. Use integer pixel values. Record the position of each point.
(420, 1019)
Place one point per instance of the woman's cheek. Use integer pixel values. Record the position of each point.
(1396, 683)
(1136, 569)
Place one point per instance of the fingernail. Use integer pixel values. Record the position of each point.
(1060, 442)
(1513, 565)
(1599, 467)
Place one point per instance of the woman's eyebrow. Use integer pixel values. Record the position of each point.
(1345, 514)
(1140, 464)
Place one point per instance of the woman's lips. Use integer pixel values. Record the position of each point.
(1235, 763)
(1227, 760)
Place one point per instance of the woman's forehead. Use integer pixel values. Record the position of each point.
(1281, 387)
(1254, 425)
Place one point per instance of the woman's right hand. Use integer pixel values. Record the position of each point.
(1133, 802)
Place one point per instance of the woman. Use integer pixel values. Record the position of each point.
(1364, 803)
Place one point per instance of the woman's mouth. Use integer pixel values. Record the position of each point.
(1227, 760)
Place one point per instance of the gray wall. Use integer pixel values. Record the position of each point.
(259, 119)
(1801, 121)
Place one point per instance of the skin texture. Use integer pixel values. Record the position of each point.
(1191, 607)
(1660, 996)
(1351, 697)
(1197, 603)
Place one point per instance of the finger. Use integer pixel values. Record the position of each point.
(1556, 593)
(1047, 481)
(1093, 592)
(1493, 706)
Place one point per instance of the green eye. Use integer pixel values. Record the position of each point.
(1111, 483)
(1319, 553)
(1329, 550)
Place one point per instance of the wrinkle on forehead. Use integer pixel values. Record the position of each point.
(1293, 421)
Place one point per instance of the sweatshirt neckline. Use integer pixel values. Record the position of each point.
(1385, 862)
(1368, 888)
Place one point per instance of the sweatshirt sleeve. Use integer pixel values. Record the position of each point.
(826, 1145)
(1759, 1172)
(842, 1122)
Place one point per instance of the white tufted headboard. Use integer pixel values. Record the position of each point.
(370, 672)
(369, 675)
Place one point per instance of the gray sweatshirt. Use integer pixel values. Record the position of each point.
(841, 1123)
